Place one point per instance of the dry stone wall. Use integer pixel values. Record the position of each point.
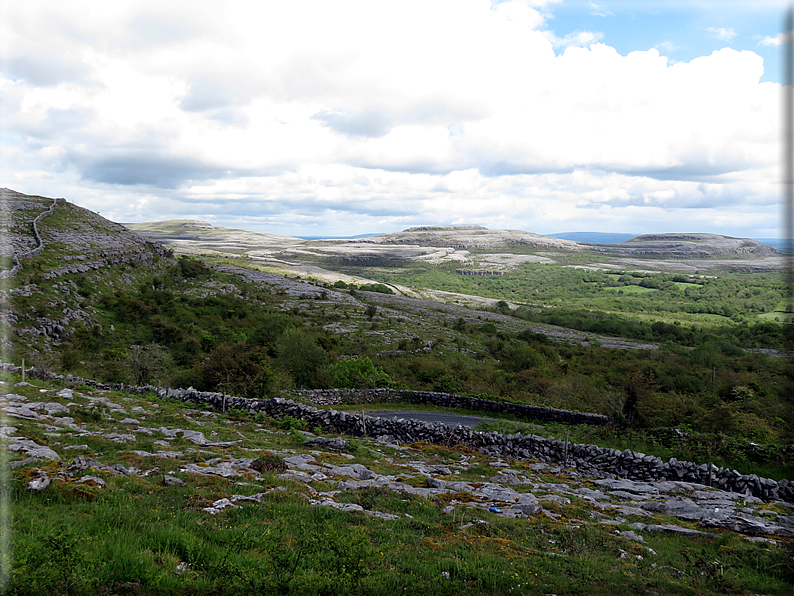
(331, 397)
(39, 243)
(587, 459)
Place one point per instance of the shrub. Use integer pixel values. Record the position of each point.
(358, 373)
(380, 288)
(269, 464)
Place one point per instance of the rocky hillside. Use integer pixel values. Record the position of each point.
(72, 239)
(471, 236)
(55, 256)
(686, 246)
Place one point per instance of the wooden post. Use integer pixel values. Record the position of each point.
(224, 403)
(713, 374)
(363, 425)
(23, 370)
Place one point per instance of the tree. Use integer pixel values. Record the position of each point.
(301, 356)
(237, 370)
(148, 363)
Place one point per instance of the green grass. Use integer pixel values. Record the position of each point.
(136, 536)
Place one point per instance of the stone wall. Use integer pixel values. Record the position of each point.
(39, 243)
(331, 397)
(587, 459)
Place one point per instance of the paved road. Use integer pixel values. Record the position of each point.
(445, 417)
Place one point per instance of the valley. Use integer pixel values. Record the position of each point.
(676, 339)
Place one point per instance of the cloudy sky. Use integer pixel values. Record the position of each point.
(314, 118)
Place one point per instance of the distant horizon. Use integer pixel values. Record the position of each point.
(772, 241)
(312, 116)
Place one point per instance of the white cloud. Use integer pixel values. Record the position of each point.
(721, 33)
(599, 11)
(773, 41)
(575, 39)
(360, 115)
(666, 46)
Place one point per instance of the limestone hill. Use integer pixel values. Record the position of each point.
(72, 239)
(687, 246)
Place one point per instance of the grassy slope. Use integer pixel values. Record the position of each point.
(135, 536)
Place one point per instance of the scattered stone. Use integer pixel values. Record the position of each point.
(119, 438)
(529, 509)
(219, 506)
(130, 421)
(65, 393)
(761, 539)
(335, 505)
(381, 515)
(352, 471)
(435, 482)
(39, 483)
(31, 448)
(173, 481)
(92, 481)
(668, 528)
(630, 535)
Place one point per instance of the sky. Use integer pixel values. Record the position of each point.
(318, 118)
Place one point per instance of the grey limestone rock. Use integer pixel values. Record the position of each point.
(640, 527)
(676, 507)
(220, 505)
(435, 482)
(630, 535)
(748, 524)
(352, 471)
(119, 437)
(92, 481)
(31, 448)
(39, 483)
(173, 481)
(529, 509)
(336, 444)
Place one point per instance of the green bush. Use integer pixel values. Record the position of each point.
(301, 356)
(358, 373)
(380, 288)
